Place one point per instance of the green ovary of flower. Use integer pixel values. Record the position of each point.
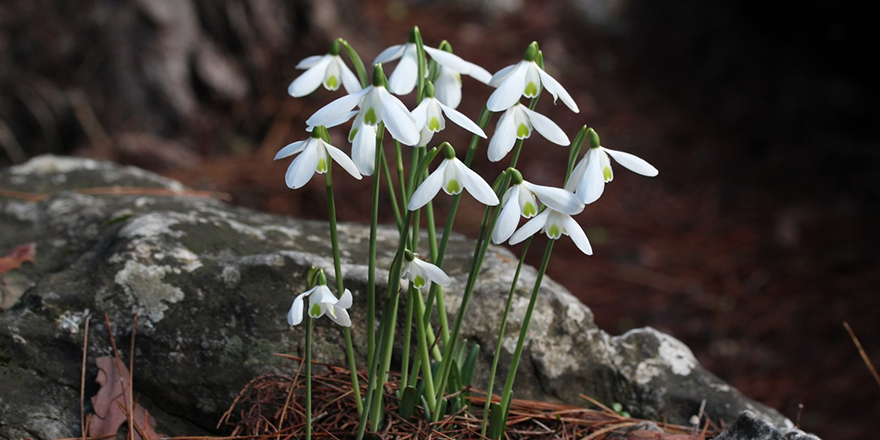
(370, 116)
(332, 82)
(529, 209)
(434, 124)
(453, 187)
(522, 131)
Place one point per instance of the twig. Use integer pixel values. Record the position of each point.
(82, 383)
(865, 357)
(134, 325)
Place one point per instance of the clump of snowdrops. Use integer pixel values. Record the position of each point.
(434, 375)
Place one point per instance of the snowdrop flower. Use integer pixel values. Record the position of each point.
(315, 157)
(525, 79)
(322, 302)
(517, 123)
(452, 175)
(520, 200)
(421, 272)
(555, 224)
(376, 105)
(429, 117)
(405, 77)
(328, 70)
(589, 177)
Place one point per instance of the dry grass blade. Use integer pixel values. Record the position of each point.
(862, 352)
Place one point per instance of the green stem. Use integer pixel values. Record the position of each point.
(308, 369)
(371, 267)
(523, 332)
(394, 206)
(401, 177)
(358, 64)
(407, 338)
(501, 330)
(340, 288)
(421, 333)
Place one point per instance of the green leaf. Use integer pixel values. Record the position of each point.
(470, 364)
(425, 406)
(408, 402)
(496, 422)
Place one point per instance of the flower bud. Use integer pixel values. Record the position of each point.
(594, 138)
(379, 79)
(516, 177)
(531, 52)
(448, 151)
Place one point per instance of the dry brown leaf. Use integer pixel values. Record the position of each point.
(26, 253)
(111, 403)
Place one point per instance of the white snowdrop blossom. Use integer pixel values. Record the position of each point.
(429, 117)
(405, 76)
(315, 156)
(453, 176)
(328, 70)
(555, 224)
(322, 302)
(376, 105)
(517, 123)
(421, 273)
(525, 78)
(520, 200)
(589, 177)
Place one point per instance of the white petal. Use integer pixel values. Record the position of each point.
(309, 61)
(403, 80)
(309, 80)
(345, 300)
(501, 75)
(576, 175)
(592, 184)
(363, 149)
(390, 54)
(420, 114)
(509, 217)
(447, 89)
(462, 120)
(508, 93)
(404, 273)
(504, 137)
(475, 184)
(342, 120)
(290, 150)
(478, 73)
(633, 163)
(349, 79)
(546, 127)
(428, 189)
(532, 78)
(295, 315)
(531, 227)
(434, 273)
(336, 109)
(557, 90)
(425, 137)
(574, 230)
(556, 199)
(449, 60)
(397, 119)
(303, 167)
(339, 316)
(342, 159)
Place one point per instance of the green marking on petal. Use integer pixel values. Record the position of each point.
(554, 231)
(529, 209)
(453, 187)
(370, 116)
(322, 165)
(434, 124)
(458, 77)
(531, 90)
(315, 310)
(522, 131)
(353, 134)
(419, 281)
(606, 172)
(332, 83)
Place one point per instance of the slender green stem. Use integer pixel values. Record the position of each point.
(501, 330)
(394, 206)
(575, 151)
(308, 368)
(523, 332)
(376, 410)
(421, 332)
(340, 288)
(371, 269)
(374, 366)
(358, 64)
(401, 177)
(407, 338)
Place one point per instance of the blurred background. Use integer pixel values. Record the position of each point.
(753, 245)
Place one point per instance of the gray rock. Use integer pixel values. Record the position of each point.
(213, 284)
(749, 426)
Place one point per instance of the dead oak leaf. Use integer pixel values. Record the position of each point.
(111, 403)
(26, 253)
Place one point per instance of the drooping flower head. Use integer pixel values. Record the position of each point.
(422, 273)
(405, 76)
(453, 176)
(520, 200)
(328, 70)
(525, 78)
(321, 302)
(517, 123)
(376, 105)
(429, 117)
(315, 156)
(555, 224)
(589, 177)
